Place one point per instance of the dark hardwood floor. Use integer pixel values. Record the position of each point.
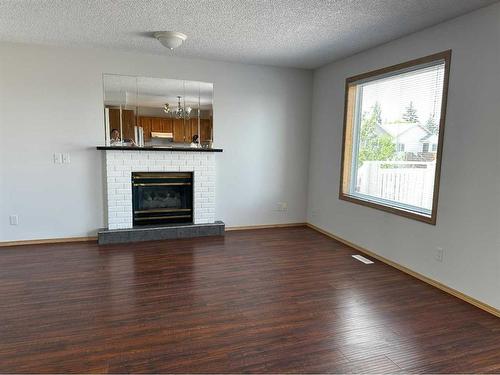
(260, 301)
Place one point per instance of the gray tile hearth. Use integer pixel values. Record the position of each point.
(113, 236)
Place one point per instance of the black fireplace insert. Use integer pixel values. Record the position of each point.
(162, 197)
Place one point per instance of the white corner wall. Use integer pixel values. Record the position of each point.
(468, 222)
(51, 101)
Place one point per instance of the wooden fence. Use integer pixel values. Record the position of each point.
(406, 182)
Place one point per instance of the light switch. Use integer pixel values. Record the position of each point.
(14, 219)
(66, 158)
(57, 158)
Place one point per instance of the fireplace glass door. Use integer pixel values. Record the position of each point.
(162, 198)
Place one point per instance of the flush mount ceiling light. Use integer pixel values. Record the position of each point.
(170, 39)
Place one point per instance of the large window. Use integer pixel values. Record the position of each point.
(393, 137)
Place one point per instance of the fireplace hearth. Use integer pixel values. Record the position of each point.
(173, 196)
(162, 198)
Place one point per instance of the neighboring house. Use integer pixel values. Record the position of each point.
(429, 143)
(411, 139)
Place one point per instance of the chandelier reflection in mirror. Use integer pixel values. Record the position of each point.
(158, 111)
(180, 112)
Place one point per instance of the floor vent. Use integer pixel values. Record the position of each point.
(362, 259)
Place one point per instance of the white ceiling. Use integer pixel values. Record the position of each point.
(294, 33)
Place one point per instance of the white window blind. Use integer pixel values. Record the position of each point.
(396, 119)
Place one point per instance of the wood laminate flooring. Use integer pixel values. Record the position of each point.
(258, 301)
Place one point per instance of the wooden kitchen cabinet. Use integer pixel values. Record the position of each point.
(183, 130)
(146, 123)
(190, 129)
(204, 133)
(114, 119)
(194, 127)
(127, 122)
(166, 125)
(205, 130)
(156, 124)
(179, 134)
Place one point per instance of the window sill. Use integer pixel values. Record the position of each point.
(391, 209)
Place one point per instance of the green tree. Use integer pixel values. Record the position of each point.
(377, 113)
(411, 114)
(374, 146)
(431, 125)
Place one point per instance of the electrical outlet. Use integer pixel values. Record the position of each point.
(439, 254)
(58, 158)
(14, 219)
(66, 158)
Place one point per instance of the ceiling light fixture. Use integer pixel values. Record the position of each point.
(170, 39)
(181, 112)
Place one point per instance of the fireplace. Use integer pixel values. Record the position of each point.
(162, 198)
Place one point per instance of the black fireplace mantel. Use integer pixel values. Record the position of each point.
(135, 148)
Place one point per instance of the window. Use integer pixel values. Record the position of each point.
(392, 115)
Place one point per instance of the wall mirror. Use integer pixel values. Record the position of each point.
(157, 112)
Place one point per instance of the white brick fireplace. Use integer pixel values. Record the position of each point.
(121, 163)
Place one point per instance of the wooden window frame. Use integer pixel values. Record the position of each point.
(349, 123)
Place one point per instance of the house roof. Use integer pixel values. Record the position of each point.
(430, 138)
(396, 129)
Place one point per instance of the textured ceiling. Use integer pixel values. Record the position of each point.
(293, 33)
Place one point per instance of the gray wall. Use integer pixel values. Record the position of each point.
(51, 101)
(469, 203)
